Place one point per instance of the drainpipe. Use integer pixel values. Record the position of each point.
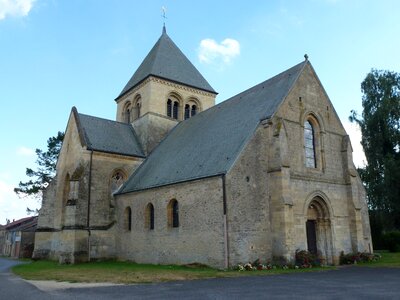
(88, 205)
(225, 222)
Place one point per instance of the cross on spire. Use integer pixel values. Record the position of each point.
(164, 12)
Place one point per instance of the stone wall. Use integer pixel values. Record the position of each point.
(154, 93)
(151, 129)
(334, 179)
(63, 231)
(199, 237)
(249, 231)
(270, 189)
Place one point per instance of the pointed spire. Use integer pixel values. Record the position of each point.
(165, 60)
(164, 30)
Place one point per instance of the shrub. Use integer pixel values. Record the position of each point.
(391, 241)
(354, 258)
(306, 259)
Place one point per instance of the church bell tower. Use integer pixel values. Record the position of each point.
(165, 89)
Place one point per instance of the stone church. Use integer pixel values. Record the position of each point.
(177, 179)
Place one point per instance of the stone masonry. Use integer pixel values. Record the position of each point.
(261, 175)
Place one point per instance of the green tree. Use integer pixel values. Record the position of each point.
(41, 177)
(380, 128)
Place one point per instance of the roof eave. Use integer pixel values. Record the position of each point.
(114, 152)
(164, 78)
(171, 183)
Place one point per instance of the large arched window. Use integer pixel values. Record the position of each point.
(149, 216)
(173, 213)
(128, 219)
(309, 144)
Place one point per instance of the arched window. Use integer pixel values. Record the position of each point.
(191, 108)
(187, 111)
(309, 145)
(128, 219)
(138, 104)
(149, 215)
(173, 213)
(136, 108)
(194, 110)
(127, 113)
(117, 179)
(175, 110)
(169, 108)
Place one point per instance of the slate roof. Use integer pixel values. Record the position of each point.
(108, 136)
(209, 143)
(24, 224)
(165, 60)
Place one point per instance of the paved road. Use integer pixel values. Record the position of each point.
(12, 287)
(344, 283)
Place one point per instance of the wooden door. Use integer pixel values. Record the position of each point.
(311, 236)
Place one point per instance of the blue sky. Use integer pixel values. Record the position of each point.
(57, 54)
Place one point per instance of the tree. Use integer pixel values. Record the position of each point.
(46, 161)
(380, 128)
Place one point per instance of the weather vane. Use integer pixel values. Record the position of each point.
(164, 12)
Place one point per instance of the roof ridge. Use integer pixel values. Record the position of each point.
(210, 142)
(110, 136)
(155, 47)
(254, 87)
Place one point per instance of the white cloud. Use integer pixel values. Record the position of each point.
(24, 151)
(15, 8)
(11, 206)
(353, 130)
(212, 52)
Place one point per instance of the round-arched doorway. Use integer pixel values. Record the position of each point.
(318, 230)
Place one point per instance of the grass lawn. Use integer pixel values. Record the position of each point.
(127, 272)
(389, 259)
